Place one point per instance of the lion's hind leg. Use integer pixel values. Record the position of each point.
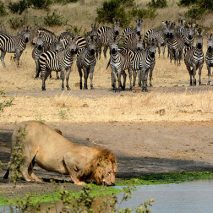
(33, 176)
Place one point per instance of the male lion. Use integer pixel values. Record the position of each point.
(51, 151)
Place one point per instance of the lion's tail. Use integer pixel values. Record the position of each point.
(6, 174)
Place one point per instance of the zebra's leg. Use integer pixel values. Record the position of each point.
(199, 73)
(134, 77)
(91, 76)
(194, 75)
(209, 74)
(158, 49)
(44, 74)
(37, 69)
(146, 72)
(105, 51)
(2, 58)
(67, 78)
(80, 74)
(139, 79)
(86, 72)
(150, 76)
(17, 56)
(113, 79)
(62, 78)
(124, 82)
(130, 79)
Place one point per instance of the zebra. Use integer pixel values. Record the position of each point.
(174, 42)
(38, 49)
(137, 29)
(119, 63)
(209, 55)
(158, 36)
(48, 37)
(13, 44)
(194, 59)
(58, 61)
(107, 35)
(86, 61)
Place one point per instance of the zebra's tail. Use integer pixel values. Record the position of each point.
(108, 64)
(6, 175)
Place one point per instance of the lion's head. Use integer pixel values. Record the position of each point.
(104, 168)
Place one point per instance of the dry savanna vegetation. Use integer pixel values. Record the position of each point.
(169, 100)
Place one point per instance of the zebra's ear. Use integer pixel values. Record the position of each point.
(164, 23)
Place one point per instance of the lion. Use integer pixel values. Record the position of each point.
(53, 152)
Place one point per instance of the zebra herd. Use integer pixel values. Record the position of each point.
(130, 51)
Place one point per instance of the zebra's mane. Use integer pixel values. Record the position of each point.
(47, 31)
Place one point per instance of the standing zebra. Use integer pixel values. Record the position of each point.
(119, 63)
(209, 55)
(13, 44)
(194, 59)
(107, 35)
(38, 49)
(158, 36)
(86, 61)
(58, 61)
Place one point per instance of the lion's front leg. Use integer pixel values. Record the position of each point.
(73, 170)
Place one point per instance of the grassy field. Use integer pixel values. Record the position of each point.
(169, 100)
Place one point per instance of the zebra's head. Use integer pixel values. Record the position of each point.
(113, 48)
(168, 29)
(91, 45)
(140, 44)
(151, 50)
(190, 33)
(72, 46)
(116, 27)
(39, 43)
(210, 42)
(139, 23)
(25, 34)
(199, 40)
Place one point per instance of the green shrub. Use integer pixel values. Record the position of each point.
(16, 22)
(3, 11)
(195, 12)
(65, 1)
(207, 4)
(144, 13)
(158, 3)
(187, 2)
(18, 7)
(53, 19)
(40, 4)
(114, 9)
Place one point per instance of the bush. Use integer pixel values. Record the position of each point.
(53, 19)
(195, 12)
(114, 9)
(187, 2)
(16, 22)
(3, 11)
(158, 3)
(40, 4)
(65, 1)
(144, 13)
(18, 7)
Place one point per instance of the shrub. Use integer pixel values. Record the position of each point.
(114, 9)
(16, 22)
(40, 4)
(158, 3)
(187, 2)
(3, 11)
(65, 1)
(144, 13)
(53, 19)
(195, 12)
(18, 7)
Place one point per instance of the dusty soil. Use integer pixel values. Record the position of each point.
(140, 147)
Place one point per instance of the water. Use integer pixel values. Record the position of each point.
(190, 197)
